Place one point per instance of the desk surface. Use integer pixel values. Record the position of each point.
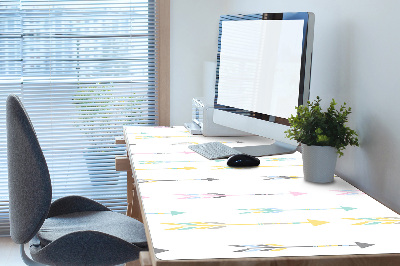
(201, 209)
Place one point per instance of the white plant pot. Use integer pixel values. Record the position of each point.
(319, 163)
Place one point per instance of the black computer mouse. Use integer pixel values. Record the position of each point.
(242, 160)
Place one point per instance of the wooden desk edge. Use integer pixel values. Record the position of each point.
(146, 226)
(344, 260)
(119, 140)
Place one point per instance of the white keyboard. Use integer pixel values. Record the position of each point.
(214, 150)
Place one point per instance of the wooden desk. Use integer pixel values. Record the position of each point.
(201, 212)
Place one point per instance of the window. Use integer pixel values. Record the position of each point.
(83, 69)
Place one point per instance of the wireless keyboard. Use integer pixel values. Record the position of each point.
(214, 150)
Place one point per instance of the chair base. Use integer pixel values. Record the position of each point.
(26, 259)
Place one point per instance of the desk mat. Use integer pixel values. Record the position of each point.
(200, 209)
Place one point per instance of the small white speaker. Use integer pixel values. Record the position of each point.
(202, 122)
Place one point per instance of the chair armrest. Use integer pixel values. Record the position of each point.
(72, 204)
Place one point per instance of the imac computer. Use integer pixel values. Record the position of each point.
(263, 73)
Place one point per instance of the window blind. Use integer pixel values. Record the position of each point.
(83, 69)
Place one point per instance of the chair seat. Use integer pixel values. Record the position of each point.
(108, 222)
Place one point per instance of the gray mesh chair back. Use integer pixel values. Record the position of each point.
(28, 176)
(73, 230)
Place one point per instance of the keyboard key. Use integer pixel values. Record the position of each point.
(214, 150)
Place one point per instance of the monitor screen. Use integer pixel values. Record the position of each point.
(260, 65)
(263, 71)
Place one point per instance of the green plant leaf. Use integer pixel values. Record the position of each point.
(312, 126)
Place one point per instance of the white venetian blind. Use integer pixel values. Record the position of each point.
(83, 69)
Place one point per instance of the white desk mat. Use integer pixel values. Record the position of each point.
(200, 209)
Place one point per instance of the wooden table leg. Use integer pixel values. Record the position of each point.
(133, 263)
(133, 210)
(129, 193)
(135, 207)
(144, 258)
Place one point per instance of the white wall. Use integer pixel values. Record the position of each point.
(194, 41)
(356, 60)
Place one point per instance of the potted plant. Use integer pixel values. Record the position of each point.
(323, 135)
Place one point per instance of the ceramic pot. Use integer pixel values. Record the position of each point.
(319, 163)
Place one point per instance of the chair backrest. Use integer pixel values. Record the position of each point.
(29, 183)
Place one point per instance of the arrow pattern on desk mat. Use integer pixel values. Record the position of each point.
(221, 195)
(347, 192)
(173, 213)
(280, 177)
(259, 209)
(175, 180)
(276, 210)
(217, 225)
(375, 221)
(161, 153)
(223, 167)
(275, 247)
(159, 250)
(161, 137)
(168, 168)
(215, 161)
(162, 162)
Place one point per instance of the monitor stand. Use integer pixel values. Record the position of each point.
(276, 148)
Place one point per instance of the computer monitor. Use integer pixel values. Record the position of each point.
(263, 72)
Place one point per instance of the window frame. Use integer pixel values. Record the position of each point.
(163, 88)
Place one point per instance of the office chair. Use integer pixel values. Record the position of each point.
(70, 231)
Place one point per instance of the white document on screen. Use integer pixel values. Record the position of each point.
(260, 65)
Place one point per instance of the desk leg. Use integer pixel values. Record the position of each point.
(129, 193)
(144, 260)
(133, 200)
(122, 164)
(133, 210)
(133, 263)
